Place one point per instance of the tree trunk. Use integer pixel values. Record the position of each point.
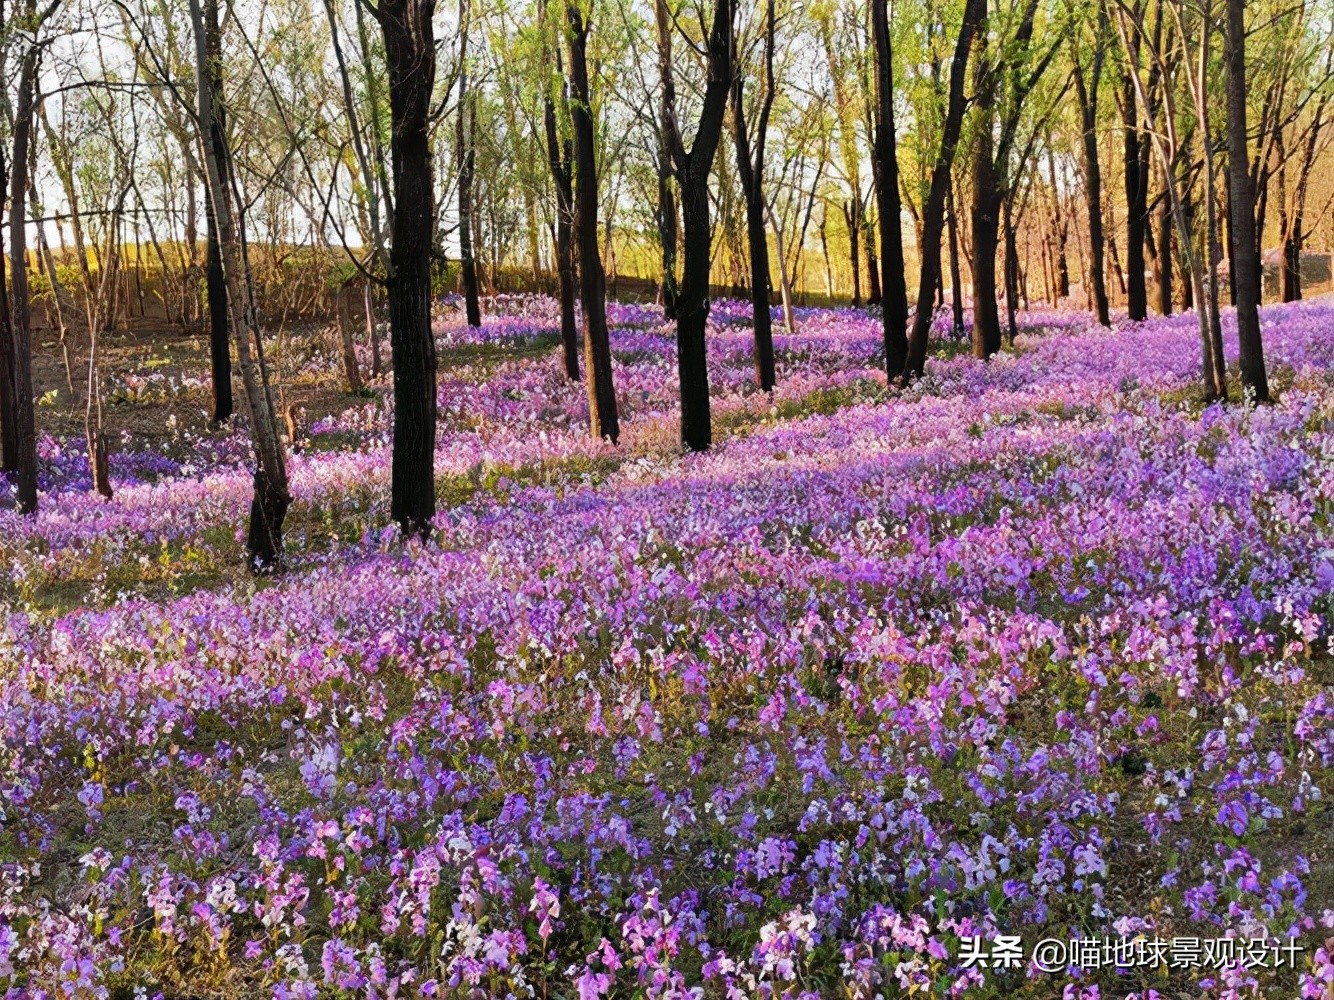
(824, 247)
(1165, 259)
(25, 429)
(956, 277)
(604, 420)
(888, 200)
(784, 282)
(750, 169)
(669, 233)
(1290, 259)
(219, 324)
(691, 169)
(1012, 274)
(1061, 233)
(874, 293)
(93, 428)
(1137, 209)
(372, 329)
(933, 211)
(9, 443)
(1087, 93)
(467, 123)
(986, 238)
(1295, 235)
(985, 214)
(1215, 372)
(852, 216)
(1242, 204)
(559, 157)
(410, 51)
(349, 348)
(271, 498)
(692, 313)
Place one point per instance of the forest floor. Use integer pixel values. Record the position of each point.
(1039, 647)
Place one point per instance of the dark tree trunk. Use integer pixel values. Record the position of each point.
(25, 428)
(1242, 207)
(467, 257)
(1294, 233)
(219, 323)
(1062, 235)
(1087, 93)
(888, 200)
(985, 214)
(467, 125)
(219, 326)
(1187, 286)
(410, 51)
(604, 420)
(692, 313)
(560, 156)
(933, 211)
(986, 240)
(1290, 263)
(1137, 209)
(1012, 276)
(569, 290)
(691, 169)
(852, 216)
(271, 498)
(1230, 242)
(9, 444)
(669, 232)
(874, 293)
(1165, 259)
(346, 342)
(750, 167)
(956, 277)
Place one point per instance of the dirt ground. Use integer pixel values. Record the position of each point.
(169, 355)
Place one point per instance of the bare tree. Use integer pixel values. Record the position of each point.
(409, 40)
(604, 418)
(933, 211)
(560, 161)
(691, 168)
(1245, 251)
(894, 292)
(268, 509)
(750, 167)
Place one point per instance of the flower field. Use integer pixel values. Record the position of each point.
(1037, 648)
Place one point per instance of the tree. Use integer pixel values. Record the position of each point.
(409, 41)
(219, 323)
(750, 168)
(604, 419)
(9, 441)
(1087, 85)
(691, 168)
(560, 160)
(1242, 203)
(1168, 145)
(894, 292)
(467, 153)
(1004, 80)
(1136, 171)
(933, 210)
(842, 55)
(22, 418)
(268, 508)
